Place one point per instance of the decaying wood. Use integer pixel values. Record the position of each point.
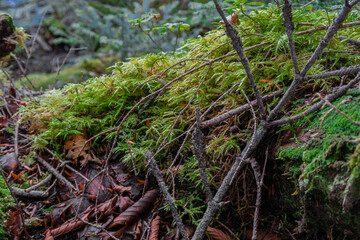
(54, 172)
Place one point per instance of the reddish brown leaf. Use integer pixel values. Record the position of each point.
(133, 212)
(137, 229)
(121, 189)
(3, 122)
(68, 226)
(217, 234)
(155, 228)
(105, 209)
(13, 222)
(262, 235)
(125, 203)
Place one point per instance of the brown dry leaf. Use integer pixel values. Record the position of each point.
(13, 222)
(121, 189)
(155, 228)
(133, 212)
(105, 209)
(48, 236)
(74, 143)
(3, 122)
(89, 157)
(137, 229)
(68, 226)
(125, 203)
(262, 235)
(217, 234)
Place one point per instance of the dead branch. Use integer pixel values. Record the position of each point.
(299, 78)
(338, 110)
(257, 174)
(149, 157)
(42, 183)
(289, 28)
(199, 147)
(343, 71)
(54, 172)
(29, 194)
(345, 25)
(237, 44)
(238, 110)
(263, 128)
(340, 92)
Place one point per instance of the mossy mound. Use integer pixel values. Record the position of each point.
(99, 103)
(323, 162)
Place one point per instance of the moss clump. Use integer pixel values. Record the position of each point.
(6, 203)
(326, 168)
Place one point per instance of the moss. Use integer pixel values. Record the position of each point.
(326, 168)
(6, 204)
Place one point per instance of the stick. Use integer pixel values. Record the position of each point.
(340, 92)
(149, 157)
(345, 25)
(238, 46)
(289, 28)
(238, 110)
(199, 147)
(54, 172)
(29, 194)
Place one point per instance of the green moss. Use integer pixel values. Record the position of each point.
(326, 168)
(6, 203)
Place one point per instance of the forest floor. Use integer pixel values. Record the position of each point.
(75, 160)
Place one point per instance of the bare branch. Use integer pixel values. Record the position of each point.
(334, 27)
(238, 110)
(345, 25)
(289, 28)
(338, 110)
(199, 147)
(343, 71)
(54, 172)
(340, 92)
(238, 46)
(149, 157)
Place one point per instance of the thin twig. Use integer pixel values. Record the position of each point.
(186, 107)
(66, 165)
(43, 182)
(345, 25)
(199, 147)
(237, 44)
(338, 110)
(340, 92)
(238, 110)
(54, 172)
(63, 63)
(97, 226)
(149, 157)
